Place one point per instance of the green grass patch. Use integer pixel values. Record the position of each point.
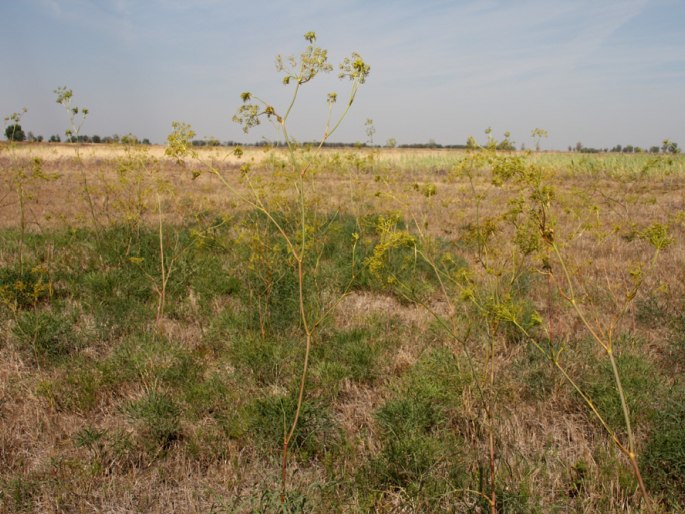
(417, 447)
(316, 432)
(663, 458)
(47, 333)
(346, 355)
(158, 417)
(639, 379)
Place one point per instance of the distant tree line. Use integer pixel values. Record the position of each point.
(16, 133)
(128, 139)
(667, 147)
(431, 145)
(327, 144)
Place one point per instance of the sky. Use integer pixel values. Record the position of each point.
(599, 72)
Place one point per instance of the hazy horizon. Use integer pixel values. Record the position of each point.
(600, 73)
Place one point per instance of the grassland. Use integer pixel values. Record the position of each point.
(151, 337)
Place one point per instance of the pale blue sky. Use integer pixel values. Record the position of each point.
(602, 72)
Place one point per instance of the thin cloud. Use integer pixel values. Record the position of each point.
(438, 66)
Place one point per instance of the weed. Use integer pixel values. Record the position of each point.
(150, 359)
(351, 355)
(413, 424)
(579, 475)
(539, 379)
(18, 493)
(663, 457)
(258, 349)
(295, 501)
(21, 290)
(48, 334)
(118, 300)
(640, 383)
(75, 388)
(159, 418)
(268, 359)
(316, 433)
(312, 62)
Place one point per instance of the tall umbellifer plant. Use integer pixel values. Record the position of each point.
(512, 241)
(77, 117)
(532, 220)
(22, 175)
(17, 176)
(538, 246)
(296, 182)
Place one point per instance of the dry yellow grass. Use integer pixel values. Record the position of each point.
(535, 444)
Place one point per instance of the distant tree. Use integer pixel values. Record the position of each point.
(129, 139)
(471, 143)
(391, 143)
(96, 139)
(579, 146)
(669, 146)
(653, 149)
(570, 148)
(146, 141)
(14, 132)
(628, 149)
(55, 138)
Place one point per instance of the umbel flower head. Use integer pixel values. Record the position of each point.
(354, 68)
(311, 62)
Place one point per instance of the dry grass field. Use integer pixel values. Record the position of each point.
(471, 313)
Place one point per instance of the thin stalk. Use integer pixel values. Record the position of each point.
(572, 298)
(488, 411)
(22, 223)
(303, 379)
(630, 452)
(299, 258)
(162, 291)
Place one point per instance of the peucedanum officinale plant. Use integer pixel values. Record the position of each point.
(294, 223)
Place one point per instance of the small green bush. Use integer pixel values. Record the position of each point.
(349, 354)
(47, 333)
(151, 358)
(316, 431)
(23, 290)
(159, 417)
(269, 360)
(663, 458)
(640, 383)
(75, 388)
(413, 424)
